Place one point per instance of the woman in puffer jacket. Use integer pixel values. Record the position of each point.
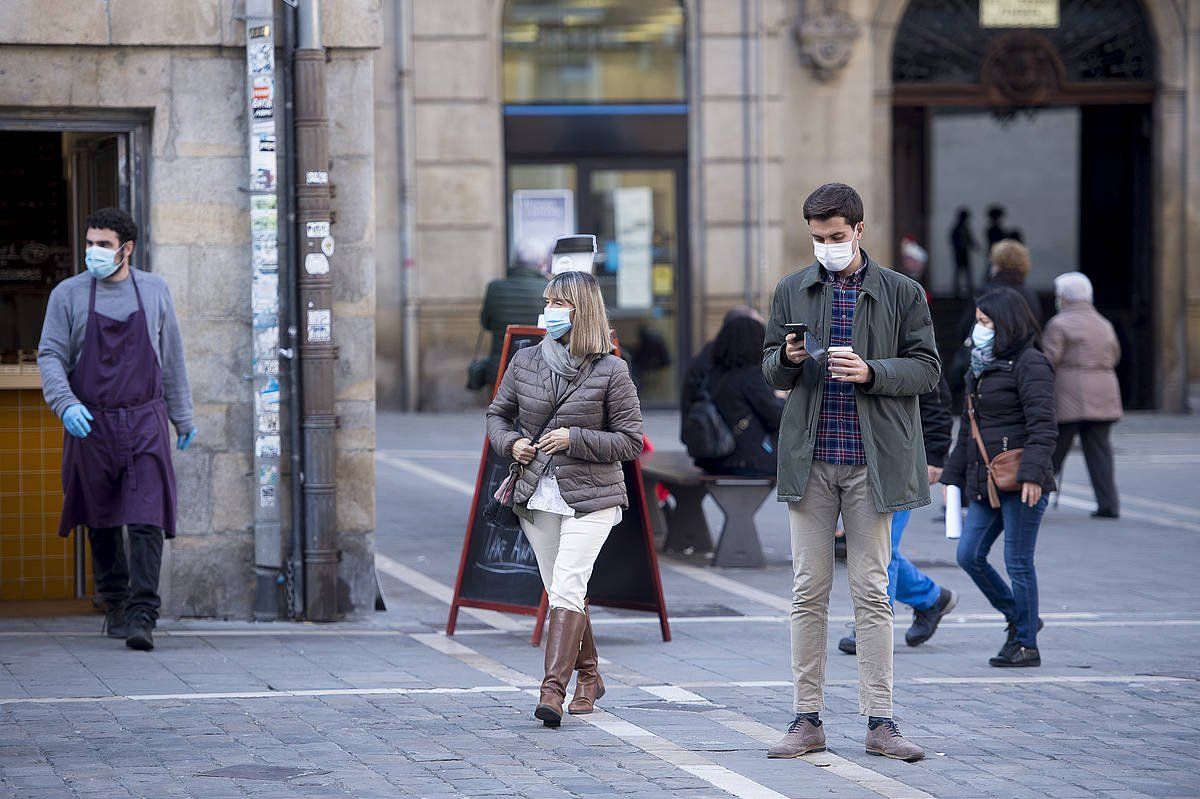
(1011, 386)
(572, 487)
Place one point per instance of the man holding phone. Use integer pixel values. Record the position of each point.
(850, 445)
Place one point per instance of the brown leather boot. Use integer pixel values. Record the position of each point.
(562, 650)
(588, 685)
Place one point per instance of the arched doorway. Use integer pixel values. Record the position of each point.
(595, 139)
(1055, 126)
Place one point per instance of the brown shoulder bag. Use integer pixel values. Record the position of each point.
(1002, 469)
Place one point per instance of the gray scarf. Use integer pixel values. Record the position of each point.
(560, 360)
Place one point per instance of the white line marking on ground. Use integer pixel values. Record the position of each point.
(441, 592)
(673, 693)
(846, 769)
(709, 576)
(1141, 502)
(716, 775)
(1066, 679)
(432, 454)
(60, 700)
(477, 661)
(509, 625)
(432, 475)
(1153, 518)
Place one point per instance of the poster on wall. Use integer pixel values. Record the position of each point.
(539, 216)
(633, 213)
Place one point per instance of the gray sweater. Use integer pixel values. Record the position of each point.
(66, 323)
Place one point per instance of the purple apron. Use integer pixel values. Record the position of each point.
(121, 473)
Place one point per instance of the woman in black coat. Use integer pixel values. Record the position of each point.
(1011, 385)
(747, 404)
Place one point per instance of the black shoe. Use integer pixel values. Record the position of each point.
(849, 644)
(140, 635)
(1011, 633)
(1010, 642)
(1016, 657)
(925, 622)
(1105, 514)
(114, 623)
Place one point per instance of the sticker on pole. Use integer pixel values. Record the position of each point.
(316, 178)
(315, 263)
(319, 325)
(317, 230)
(327, 246)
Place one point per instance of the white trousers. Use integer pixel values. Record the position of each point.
(566, 549)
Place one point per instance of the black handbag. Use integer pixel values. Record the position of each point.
(499, 508)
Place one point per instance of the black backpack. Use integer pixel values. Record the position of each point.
(705, 433)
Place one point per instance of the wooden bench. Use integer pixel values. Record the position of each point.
(738, 497)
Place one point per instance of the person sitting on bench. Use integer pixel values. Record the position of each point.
(749, 406)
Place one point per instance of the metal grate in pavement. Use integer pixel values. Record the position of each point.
(258, 771)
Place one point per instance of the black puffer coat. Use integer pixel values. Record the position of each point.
(1014, 399)
(753, 412)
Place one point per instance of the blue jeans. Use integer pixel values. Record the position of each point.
(1019, 523)
(907, 583)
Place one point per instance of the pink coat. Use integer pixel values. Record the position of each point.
(1083, 347)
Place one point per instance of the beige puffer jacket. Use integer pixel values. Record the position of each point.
(603, 415)
(1083, 347)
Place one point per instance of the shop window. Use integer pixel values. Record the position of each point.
(599, 51)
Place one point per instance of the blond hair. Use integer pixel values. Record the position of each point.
(1010, 256)
(589, 329)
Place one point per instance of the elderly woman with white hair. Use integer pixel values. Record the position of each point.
(1083, 347)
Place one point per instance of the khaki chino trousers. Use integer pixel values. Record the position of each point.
(835, 490)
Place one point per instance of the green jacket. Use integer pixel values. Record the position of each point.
(513, 300)
(893, 333)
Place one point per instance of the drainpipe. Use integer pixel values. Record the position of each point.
(408, 273)
(291, 323)
(760, 131)
(748, 167)
(317, 353)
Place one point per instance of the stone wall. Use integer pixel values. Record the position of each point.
(184, 62)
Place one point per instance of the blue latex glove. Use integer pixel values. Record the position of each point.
(185, 440)
(76, 419)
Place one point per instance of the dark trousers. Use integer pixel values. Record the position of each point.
(1097, 452)
(1020, 524)
(130, 582)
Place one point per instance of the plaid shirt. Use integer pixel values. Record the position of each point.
(839, 439)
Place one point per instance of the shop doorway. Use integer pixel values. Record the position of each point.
(596, 117)
(1052, 125)
(55, 173)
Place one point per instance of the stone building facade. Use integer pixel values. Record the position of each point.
(781, 96)
(179, 67)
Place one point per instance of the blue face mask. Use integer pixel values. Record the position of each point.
(558, 322)
(982, 336)
(101, 262)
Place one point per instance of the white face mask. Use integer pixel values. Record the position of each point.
(982, 336)
(836, 257)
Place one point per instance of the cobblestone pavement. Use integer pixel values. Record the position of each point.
(391, 707)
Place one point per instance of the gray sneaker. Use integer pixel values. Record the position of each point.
(887, 741)
(803, 736)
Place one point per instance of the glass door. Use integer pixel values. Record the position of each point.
(635, 209)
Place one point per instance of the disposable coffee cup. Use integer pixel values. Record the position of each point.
(840, 348)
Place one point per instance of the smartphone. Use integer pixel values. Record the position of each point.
(798, 328)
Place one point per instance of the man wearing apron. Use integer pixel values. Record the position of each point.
(111, 359)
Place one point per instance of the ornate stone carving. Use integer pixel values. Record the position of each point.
(826, 40)
(1022, 68)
